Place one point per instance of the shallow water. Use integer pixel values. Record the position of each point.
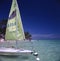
(49, 50)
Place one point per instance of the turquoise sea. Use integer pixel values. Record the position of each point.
(48, 50)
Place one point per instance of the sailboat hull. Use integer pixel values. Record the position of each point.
(14, 52)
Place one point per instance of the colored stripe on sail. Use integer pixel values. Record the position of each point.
(13, 14)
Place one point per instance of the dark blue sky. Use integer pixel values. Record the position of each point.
(40, 17)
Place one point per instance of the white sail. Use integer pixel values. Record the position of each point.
(14, 30)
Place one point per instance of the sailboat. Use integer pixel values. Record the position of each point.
(14, 31)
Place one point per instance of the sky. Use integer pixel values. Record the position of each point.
(41, 18)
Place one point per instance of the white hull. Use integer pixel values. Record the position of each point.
(14, 51)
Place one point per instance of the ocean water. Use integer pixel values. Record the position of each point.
(48, 50)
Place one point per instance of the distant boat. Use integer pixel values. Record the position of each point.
(14, 31)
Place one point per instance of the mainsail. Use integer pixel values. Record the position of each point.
(14, 30)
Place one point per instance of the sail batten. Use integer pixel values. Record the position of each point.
(14, 30)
